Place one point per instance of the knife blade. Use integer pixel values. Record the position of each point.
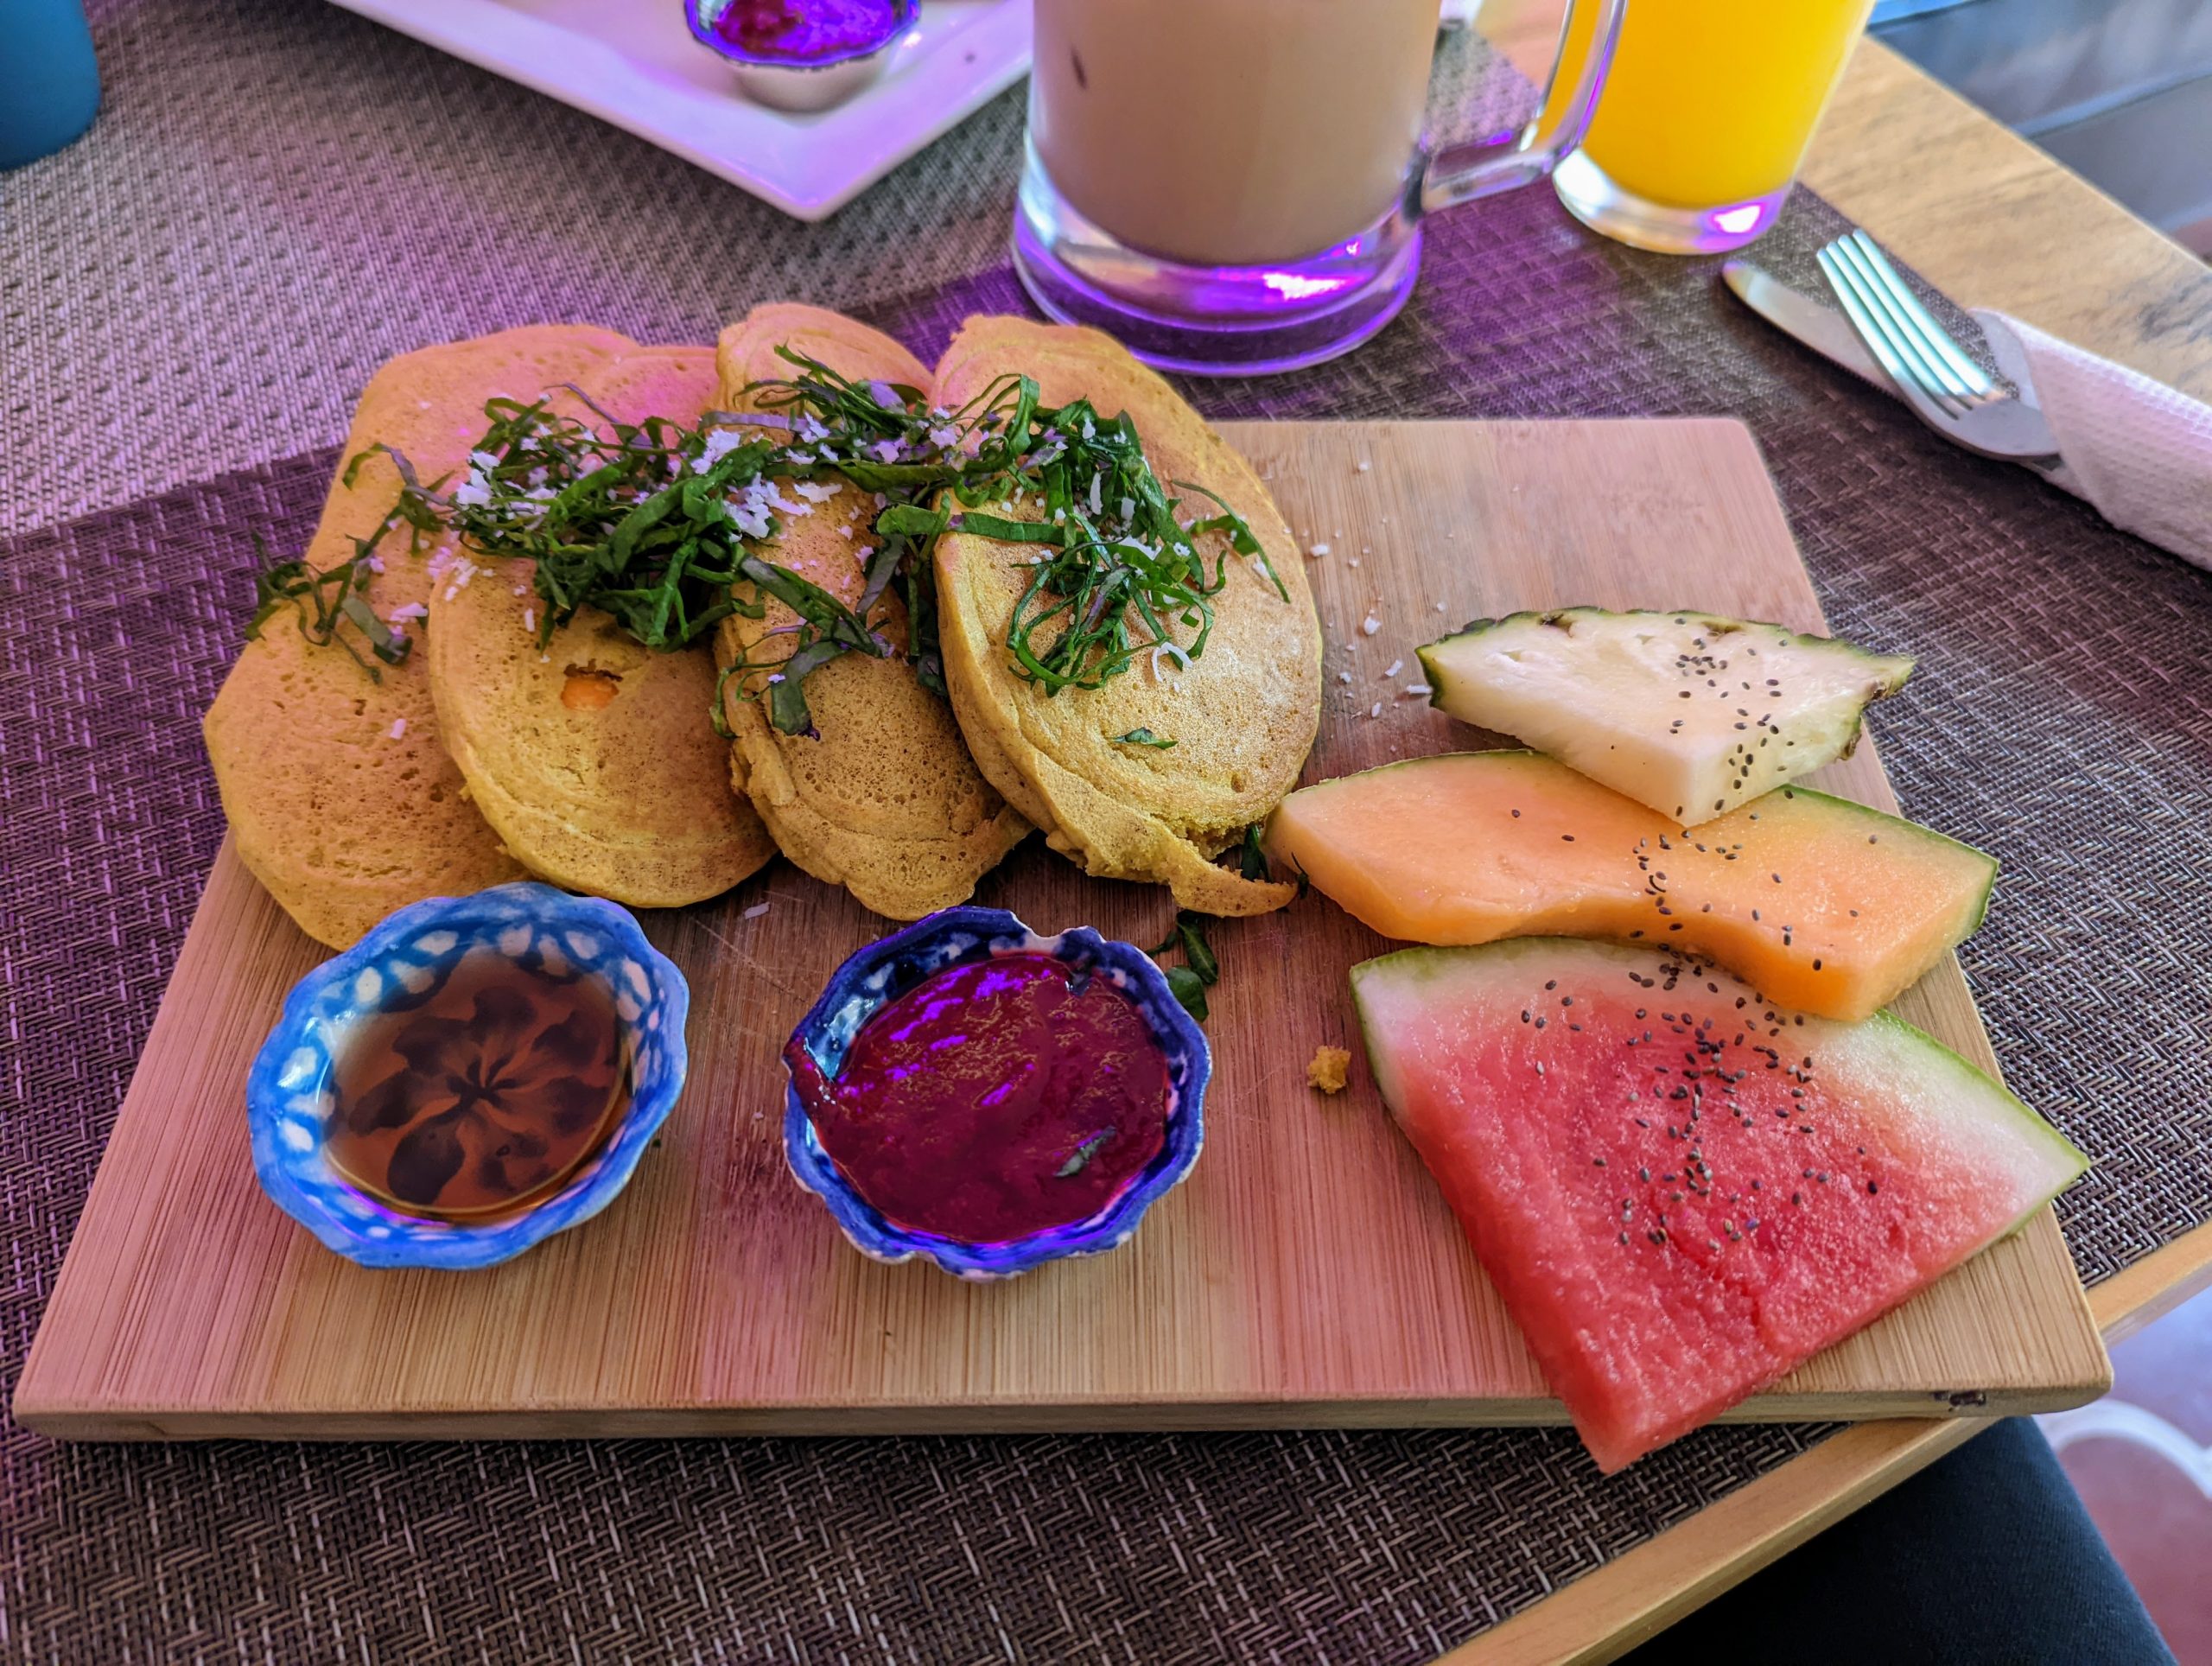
(1823, 329)
(2013, 430)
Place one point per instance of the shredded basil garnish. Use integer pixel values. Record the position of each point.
(1199, 972)
(1252, 859)
(1080, 1158)
(1190, 989)
(326, 600)
(662, 524)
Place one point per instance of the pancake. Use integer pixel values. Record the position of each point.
(341, 798)
(595, 757)
(883, 800)
(1243, 716)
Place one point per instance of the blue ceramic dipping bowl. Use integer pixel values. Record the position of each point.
(886, 969)
(409, 956)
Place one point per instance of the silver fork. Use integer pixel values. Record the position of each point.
(1934, 376)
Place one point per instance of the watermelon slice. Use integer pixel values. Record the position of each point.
(1686, 712)
(1680, 1191)
(1825, 905)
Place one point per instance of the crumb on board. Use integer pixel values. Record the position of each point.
(1328, 1069)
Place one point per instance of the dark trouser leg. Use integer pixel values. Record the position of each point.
(1985, 1557)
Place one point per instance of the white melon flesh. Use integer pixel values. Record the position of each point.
(1688, 713)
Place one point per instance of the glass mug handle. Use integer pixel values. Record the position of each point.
(1454, 174)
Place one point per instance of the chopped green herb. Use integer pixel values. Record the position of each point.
(1200, 972)
(1083, 1154)
(1188, 988)
(1252, 859)
(1125, 569)
(326, 598)
(1145, 737)
(1197, 954)
(660, 525)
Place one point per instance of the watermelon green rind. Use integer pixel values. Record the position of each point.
(2069, 1161)
(1646, 1340)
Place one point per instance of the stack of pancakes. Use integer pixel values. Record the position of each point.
(590, 760)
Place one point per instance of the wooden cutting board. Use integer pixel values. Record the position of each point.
(1308, 1274)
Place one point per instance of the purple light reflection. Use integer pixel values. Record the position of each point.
(1296, 286)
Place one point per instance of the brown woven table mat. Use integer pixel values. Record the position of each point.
(2062, 718)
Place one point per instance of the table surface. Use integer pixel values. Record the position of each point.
(1978, 212)
(1994, 222)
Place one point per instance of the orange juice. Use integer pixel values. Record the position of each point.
(1705, 115)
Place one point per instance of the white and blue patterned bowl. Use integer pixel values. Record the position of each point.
(889, 967)
(414, 949)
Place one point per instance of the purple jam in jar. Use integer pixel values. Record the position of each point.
(806, 31)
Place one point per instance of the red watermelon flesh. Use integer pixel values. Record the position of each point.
(1683, 1192)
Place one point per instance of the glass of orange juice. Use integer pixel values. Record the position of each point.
(1704, 118)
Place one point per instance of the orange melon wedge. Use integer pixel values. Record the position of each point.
(1821, 904)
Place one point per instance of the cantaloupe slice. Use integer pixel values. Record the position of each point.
(1688, 713)
(1821, 904)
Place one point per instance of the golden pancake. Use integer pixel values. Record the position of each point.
(594, 757)
(342, 800)
(1243, 715)
(883, 799)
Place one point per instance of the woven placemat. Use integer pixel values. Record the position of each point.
(281, 196)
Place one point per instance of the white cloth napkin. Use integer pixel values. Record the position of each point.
(2137, 451)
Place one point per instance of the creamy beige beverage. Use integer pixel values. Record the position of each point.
(1231, 132)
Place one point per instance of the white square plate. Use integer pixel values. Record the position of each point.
(633, 63)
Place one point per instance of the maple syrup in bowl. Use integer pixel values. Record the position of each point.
(479, 1098)
(473, 1076)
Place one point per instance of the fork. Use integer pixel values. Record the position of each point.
(1933, 373)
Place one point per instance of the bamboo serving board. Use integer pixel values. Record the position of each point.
(1308, 1274)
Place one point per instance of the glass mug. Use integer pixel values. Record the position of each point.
(1709, 106)
(1233, 185)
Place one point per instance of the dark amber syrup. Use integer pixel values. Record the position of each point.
(481, 1098)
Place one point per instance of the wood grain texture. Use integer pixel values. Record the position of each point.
(1308, 1274)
